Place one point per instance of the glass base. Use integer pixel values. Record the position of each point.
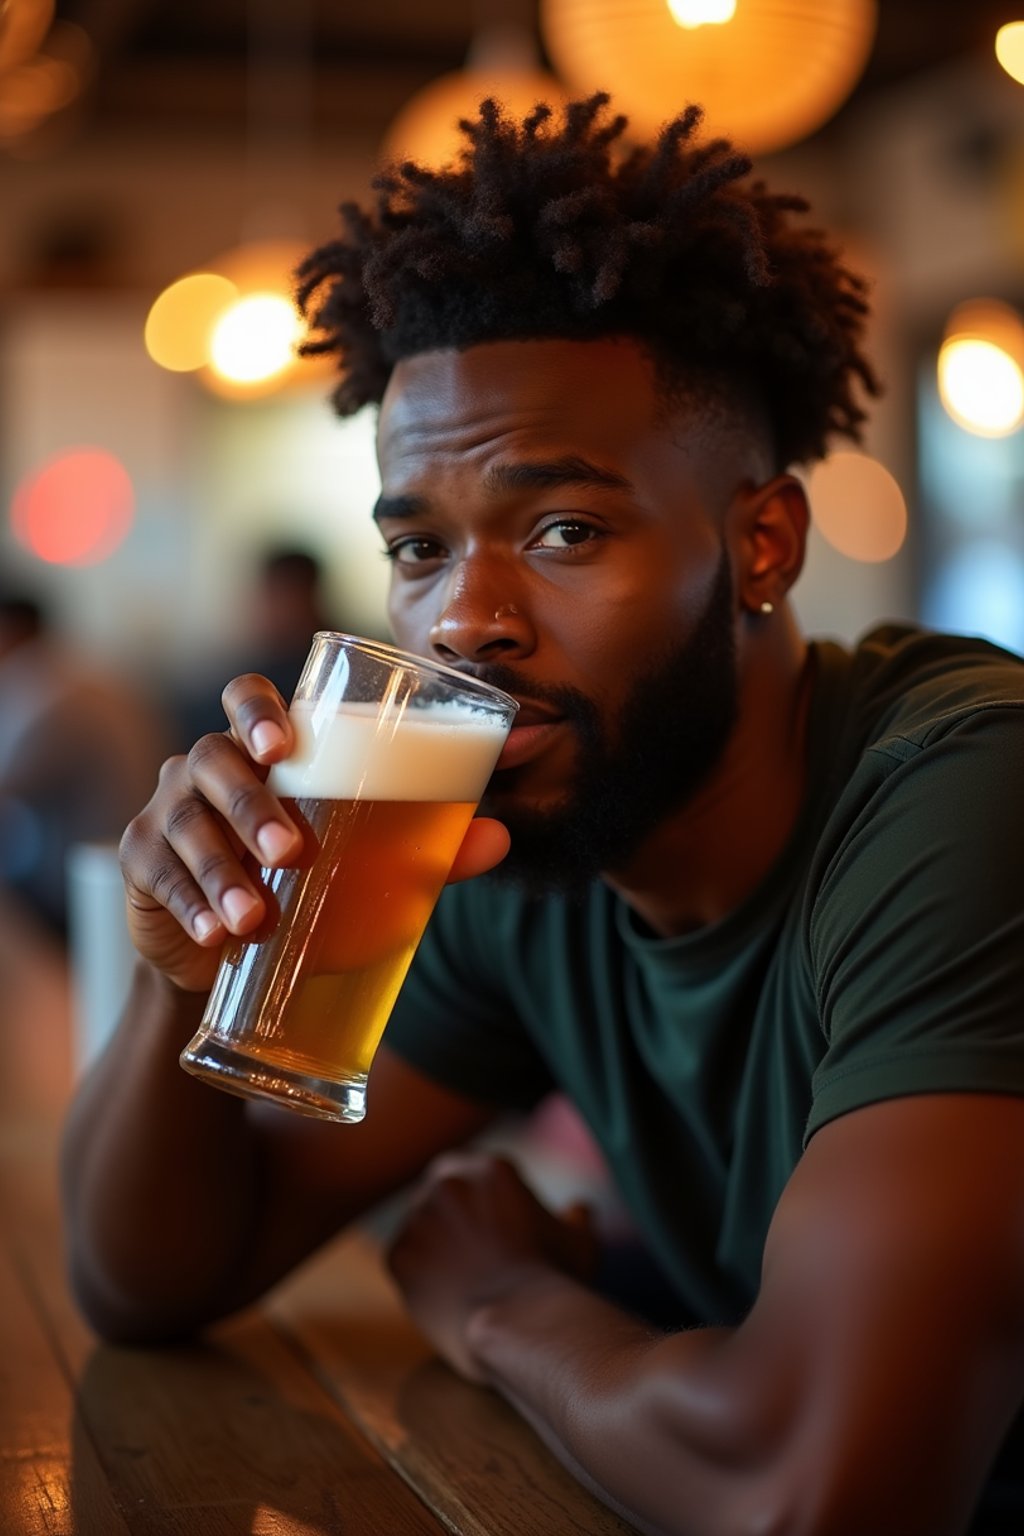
(235, 1072)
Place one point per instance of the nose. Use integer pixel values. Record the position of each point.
(482, 619)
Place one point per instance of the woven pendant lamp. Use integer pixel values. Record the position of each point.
(767, 76)
(503, 63)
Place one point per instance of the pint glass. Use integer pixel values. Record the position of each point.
(392, 754)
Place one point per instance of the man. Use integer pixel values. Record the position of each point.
(761, 917)
(284, 609)
(78, 750)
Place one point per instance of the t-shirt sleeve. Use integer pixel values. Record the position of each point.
(917, 930)
(455, 1018)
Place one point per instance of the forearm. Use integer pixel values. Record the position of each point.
(159, 1176)
(868, 1388)
(651, 1422)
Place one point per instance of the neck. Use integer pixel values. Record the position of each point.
(706, 859)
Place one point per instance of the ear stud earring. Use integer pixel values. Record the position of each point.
(766, 607)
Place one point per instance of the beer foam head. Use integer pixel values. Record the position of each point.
(355, 751)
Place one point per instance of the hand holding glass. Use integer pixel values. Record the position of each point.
(392, 754)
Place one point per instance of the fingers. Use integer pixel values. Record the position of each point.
(485, 844)
(477, 1202)
(259, 718)
(186, 852)
(178, 856)
(222, 778)
(193, 851)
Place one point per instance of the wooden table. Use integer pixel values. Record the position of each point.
(320, 1412)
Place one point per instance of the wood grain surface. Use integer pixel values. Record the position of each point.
(320, 1413)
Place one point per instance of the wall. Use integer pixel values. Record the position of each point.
(925, 187)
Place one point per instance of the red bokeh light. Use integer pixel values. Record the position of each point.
(76, 509)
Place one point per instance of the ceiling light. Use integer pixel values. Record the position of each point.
(981, 368)
(255, 339)
(1010, 49)
(773, 75)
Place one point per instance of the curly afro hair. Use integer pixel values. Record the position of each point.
(542, 231)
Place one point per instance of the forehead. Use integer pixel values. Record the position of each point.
(573, 395)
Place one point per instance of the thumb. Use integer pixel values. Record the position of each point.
(485, 844)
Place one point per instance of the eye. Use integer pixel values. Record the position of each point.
(566, 533)
(414, 550)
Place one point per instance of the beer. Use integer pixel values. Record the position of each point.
(383, 799)
(318, 989)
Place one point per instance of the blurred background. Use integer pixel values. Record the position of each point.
(175, 494)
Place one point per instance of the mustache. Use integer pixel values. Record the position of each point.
(563, 698)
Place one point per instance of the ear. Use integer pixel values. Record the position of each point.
(770, 530)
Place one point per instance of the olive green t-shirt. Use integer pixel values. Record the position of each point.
(882, 955)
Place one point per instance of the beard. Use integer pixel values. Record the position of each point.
(669, 734)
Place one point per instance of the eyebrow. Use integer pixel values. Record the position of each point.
(399, 506)
(543, 475)
(552, 473)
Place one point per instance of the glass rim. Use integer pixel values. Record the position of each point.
(410, 661)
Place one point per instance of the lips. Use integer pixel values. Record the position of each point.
(530, 713)
(531, 733)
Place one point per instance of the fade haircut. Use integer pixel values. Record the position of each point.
(546, 231)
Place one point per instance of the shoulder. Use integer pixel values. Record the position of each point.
(944, 711)
(915, 925)
(926, 754)
(912, 682)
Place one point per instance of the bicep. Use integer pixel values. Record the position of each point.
(916, 932)
(892, 1306)
(316, 1176)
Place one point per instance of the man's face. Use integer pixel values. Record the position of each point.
(551, 531)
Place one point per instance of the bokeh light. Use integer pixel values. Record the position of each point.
(235, 323)
(255, 339)
(34, 91)
(981, 367)
(253, 367)
(39, 86)
(981, 386)
(701, 13)
(427, 128)
(76, 509)
(23, 26)
(858, 507)
(180, 325)
(1010, 49)
(773, 75)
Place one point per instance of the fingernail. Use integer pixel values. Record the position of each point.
(274, 841)
(266, 737)
(238, 905)
(204, 923)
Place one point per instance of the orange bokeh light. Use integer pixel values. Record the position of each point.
(858, 506)
(76, 509)
(767, 77)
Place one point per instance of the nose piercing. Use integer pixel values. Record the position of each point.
(508, 611)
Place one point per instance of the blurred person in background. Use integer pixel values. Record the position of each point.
(284, 607)
(761, 918)
(78, 750)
